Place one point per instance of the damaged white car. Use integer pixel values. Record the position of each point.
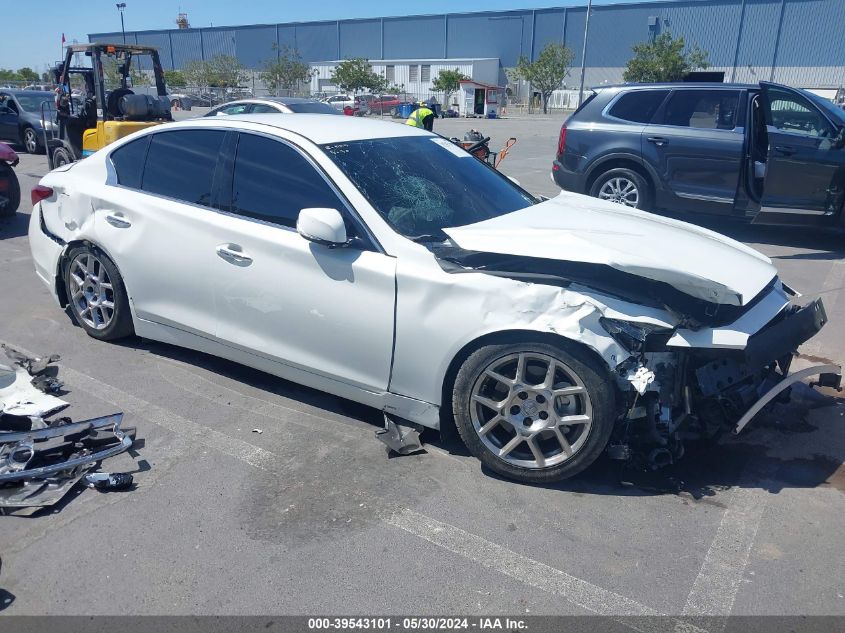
(386, 265)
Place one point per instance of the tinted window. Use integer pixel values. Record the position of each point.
(181, 164)
(308, 107)
(638, 106)
(421, 185)
(707, 109)
(263, 108)
(239, 108)
(274, 182)
(791, 112)
(129, 160)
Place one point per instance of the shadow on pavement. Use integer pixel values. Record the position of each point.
(15, 226)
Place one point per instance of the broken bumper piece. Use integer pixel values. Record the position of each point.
(39, 466)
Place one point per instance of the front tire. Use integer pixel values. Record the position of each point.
(534, 412)
(96, 294)
(623, 186)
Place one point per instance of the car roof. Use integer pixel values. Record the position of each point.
(26, 93)
(277, 100)
(318, 128)
(678, 84)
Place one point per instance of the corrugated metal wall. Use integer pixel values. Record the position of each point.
(794, 41)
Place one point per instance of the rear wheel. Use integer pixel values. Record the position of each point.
(623, 186)
(10, 191)
(96, 294)
(533, 412)
(30, 141)
(61, 156)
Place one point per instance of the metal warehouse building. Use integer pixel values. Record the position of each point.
(797, 42)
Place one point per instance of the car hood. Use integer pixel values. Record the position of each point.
(577, 228)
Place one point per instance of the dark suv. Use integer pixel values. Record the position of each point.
(765, 152)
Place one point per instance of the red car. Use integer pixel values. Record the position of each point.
(384, 104)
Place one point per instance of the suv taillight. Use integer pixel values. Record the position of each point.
(561, 143)
(39, 193)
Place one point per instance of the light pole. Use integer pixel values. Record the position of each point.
(584, 51)
(120, 7)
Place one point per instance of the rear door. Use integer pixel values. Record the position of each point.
(325, 310)
(805, 170)
(696, 145)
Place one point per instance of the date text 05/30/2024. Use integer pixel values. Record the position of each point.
(481, 624)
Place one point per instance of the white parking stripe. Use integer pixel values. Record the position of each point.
(715, 588)
(252, 455)
(531, 572)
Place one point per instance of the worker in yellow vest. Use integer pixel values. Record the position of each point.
(422, 117)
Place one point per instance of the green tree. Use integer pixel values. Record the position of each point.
(355, 74)
(448, 82)
(547, 73)
(7, 74)
(27, 74)
(664, 59)
(226, 71)
(197, 73)
(174, 79)
(286, 72)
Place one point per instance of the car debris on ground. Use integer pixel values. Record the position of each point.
(42, 459)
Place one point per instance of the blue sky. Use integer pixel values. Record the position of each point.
(32, 32)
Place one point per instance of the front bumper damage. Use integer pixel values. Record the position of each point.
(42, 459)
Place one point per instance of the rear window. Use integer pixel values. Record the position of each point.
(128, 162)
(181, 164)
(703, 109)
(638, 106)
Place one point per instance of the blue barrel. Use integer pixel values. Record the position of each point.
(404, 110)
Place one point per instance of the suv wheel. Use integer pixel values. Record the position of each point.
(623, 186)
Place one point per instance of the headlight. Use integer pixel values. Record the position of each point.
(632, 336)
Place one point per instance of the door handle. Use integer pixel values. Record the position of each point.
(234, 254)
(117, 220)
(657, 140)
(787, 150)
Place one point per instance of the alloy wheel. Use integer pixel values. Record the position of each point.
(30, 141)
(92, 292)
(531, 410)
(620, 190)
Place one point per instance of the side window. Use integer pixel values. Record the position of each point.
(239, 108)
(263, 108)
(704, 109)
(274, 182)
(128, 162)
(792, 113)
(181, 164)
(638, 106)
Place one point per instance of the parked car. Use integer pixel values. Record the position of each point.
(20, 118)
(10, 188)
(764, 152)
(41, 87)
(384, 264)
(385, 104)
(271, 105)
(340, 101)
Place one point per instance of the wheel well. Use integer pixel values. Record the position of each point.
(620, 163)
(447, 421)
(61, 290)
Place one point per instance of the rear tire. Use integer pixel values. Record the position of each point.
(528, 422)
(96, 294)
(61, 156)
(30, 141)
(623, 186)
(10, 195)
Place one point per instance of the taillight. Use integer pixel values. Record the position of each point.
(39, 193)
(561, 142)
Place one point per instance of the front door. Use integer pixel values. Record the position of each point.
(329, 311)
(696, 144)
(478, 104)
(805, 169)
(8, 119)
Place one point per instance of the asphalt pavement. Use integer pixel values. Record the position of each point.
(311, 516)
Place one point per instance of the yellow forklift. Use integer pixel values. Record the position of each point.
(105, 92)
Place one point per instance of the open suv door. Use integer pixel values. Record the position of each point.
(804, 179)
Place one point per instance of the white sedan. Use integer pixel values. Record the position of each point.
(386, 265)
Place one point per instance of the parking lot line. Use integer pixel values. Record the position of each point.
(714, 590)
(527, 570)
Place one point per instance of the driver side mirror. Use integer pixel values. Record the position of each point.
(323, 226)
